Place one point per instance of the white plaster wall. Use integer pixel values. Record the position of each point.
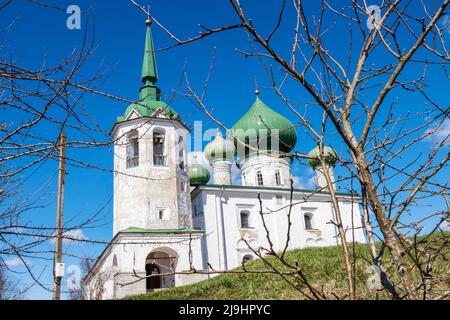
(225, 254)
(140, 191)
(221, 172)
(320, 181)
(267, 165)
(132, 251)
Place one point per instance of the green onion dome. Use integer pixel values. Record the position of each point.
(219, 149)
(198, 175)
(328, 153)
(259, 124)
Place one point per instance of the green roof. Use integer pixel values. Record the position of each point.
(149, 95)
(259, 124)
(198, 174)
(143, 230)
(275, 189)
(328, 153)
(147, 108)
(219, 149)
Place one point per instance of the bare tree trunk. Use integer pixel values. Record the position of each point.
(340, 226)
(389, 236)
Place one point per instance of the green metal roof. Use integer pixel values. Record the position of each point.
(219, 149)
(143, 230)
(328, 153)
(149, 69)
(149, 94)
(274, 189)
(260, 124)
(198, 174)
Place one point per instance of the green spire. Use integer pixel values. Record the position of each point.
(149, 94)
(149, 74)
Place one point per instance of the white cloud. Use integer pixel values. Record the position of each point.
(441, 132)
(446, 225)
(236, 178)
(200, 159)
(16, 262)
(74, 235)
(305, 179)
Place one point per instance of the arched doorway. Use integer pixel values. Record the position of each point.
(159, 268)
(152, 281)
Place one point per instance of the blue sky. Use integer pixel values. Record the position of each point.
(38, 34)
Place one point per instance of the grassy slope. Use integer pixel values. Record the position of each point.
(322, 266)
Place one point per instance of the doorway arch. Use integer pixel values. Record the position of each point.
(160, 265)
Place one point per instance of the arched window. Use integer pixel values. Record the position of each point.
(259, 178)
(114, 261)
(180, 153)
(245, 219)
(132, 149)
(159, 158)
(277, 177)
(308, 221)
(247, 258)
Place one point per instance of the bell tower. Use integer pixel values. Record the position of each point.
(151, 186)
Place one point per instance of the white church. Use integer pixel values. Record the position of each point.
(176, 224)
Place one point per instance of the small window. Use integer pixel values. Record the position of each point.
(161, 214)
(279, 199)
(247, 258)
(132, 149)
(245, 219)
(159, 159)
(259, 178)
(277, 177)
(181, 154)
(115, 264)
(308, 221)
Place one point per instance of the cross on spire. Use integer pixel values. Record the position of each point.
(256, 87)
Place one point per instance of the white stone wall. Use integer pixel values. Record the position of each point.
(221, 172)
(267, 165)
(320, 180)
(132, 250)
(140, 192)
(223, 232)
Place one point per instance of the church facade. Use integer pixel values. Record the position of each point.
(174, 227)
